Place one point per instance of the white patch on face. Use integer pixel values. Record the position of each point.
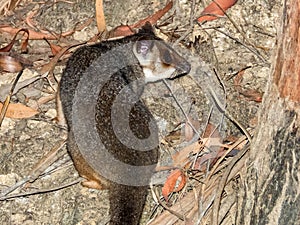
(153, 77)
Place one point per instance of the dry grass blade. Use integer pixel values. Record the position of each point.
(237, 143)
(2, 198)
(8, 5)
(182, 110)
(171, 215)
(42, 167)
(6, 103)
(209, 189)
(46, 161)
(48, 68)
(222, 183)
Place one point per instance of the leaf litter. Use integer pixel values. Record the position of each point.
(198, 173)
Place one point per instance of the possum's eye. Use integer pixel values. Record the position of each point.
(166, 57)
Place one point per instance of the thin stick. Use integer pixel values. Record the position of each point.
(228, 115)
(242, 33)
(39, 169)
(41, 191)
(254, 50)
(182, 110)
(191, 26)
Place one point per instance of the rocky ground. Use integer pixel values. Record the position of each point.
(238, 47)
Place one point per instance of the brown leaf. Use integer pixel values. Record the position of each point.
(120, 31)
(188, 132)
(24, 44)
(250, 94)
(54, 48)
(215, 10)
(33, 35)
(188, 129)
(47, 68)
(239, 77)
(10, 64)
(181, 158)
(213, 143)
(171, 181)
(19, 111)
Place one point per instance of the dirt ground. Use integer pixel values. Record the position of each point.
(242, 42)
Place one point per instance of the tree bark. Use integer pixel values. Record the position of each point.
(271, 189)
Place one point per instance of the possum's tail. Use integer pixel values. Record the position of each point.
(126, 204)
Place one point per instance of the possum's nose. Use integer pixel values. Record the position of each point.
(185, 68)
(181, 69)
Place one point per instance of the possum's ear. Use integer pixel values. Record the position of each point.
(147, 29)
(143, 47)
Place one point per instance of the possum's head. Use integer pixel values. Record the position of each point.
(158, 60)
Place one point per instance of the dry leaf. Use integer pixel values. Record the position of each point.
(188, 129)
(100, 18)
(250, 94)
(213, 11)
(24, 44)
(188, 132)
(34, 35)
(19, 111)
(120, 31)
(169, 186)
(10, 64)
(54, 48)
(181, 158)
(47, 68)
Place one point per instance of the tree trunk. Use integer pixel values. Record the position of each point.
(271, 189)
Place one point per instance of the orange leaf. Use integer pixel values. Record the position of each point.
(215, 9)
(252, 95)
(170, 184)
(19, 111)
